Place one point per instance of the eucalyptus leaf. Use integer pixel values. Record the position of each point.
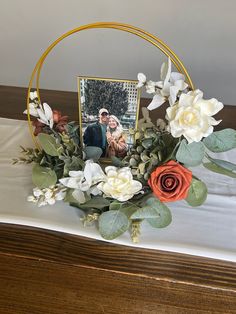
(69, 198)
(221, 141)
(155, 212)
(98, 202)
(112, 224)
(43, 177)
(190, 154)
(149, 133)
(197, 193)
(147, 143)
(141, 167)
(93, 152)
(73, 163)
(117, 162)
(49, 144)
(127, 208)
(223, 163)
(218, 169)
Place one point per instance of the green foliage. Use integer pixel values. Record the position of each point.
(155, 212)
(117, 162)
(97, 202)
(93, 152)
(43, 177)
(190, 154)
(69, 198)
(128, 208)
(221, 141)
(50, 145)
(151, 148)
(73, 132)
(197, 193)
(112, 224)
(103, 94)
(219, 169)
(29, 155)
(73, 163)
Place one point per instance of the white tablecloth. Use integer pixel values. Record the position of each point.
(208, 230)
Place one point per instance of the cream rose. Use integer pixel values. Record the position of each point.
(119, 184)
(192, 116)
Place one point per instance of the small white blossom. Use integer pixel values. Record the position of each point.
(119, 184)
(192, 116)
(32, 110)
(167, 89)
(33, 95)
(84, 182)
(151, 87)
(43, 112)
(141, 80)
(47, 196)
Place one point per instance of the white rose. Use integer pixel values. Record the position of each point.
(119, 184)
(192, 116)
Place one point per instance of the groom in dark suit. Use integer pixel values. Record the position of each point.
(95, 134)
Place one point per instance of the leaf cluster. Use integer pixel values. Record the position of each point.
(197, 153)
(60, 154)
(151, 148)
(121, 216)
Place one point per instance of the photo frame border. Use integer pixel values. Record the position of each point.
(79, 78)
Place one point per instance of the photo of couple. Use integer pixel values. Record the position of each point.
(106, 133)
(108, 108)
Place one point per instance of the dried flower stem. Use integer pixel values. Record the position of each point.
(90, 218)
(135, 230)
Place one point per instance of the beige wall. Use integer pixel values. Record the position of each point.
(201, 32)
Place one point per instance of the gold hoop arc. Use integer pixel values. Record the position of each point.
(110, 25)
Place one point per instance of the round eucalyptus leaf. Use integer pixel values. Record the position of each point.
(157, 214)
(112, 224)
(49, 144)
(93, 152)
(221, 141)
(190, 154)
(197, 193)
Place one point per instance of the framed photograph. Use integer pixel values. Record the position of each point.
(108, 108)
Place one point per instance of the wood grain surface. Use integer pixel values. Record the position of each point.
(42, 271)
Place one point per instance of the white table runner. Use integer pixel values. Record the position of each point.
(208, 230)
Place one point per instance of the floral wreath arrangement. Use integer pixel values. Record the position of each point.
(119, 197)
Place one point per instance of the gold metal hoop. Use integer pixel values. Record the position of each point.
(111, 25)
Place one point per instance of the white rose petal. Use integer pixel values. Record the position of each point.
(119, 184)
(192, 116)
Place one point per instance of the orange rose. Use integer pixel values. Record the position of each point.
(170, 182)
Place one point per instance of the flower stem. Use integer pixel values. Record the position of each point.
(135, 230)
